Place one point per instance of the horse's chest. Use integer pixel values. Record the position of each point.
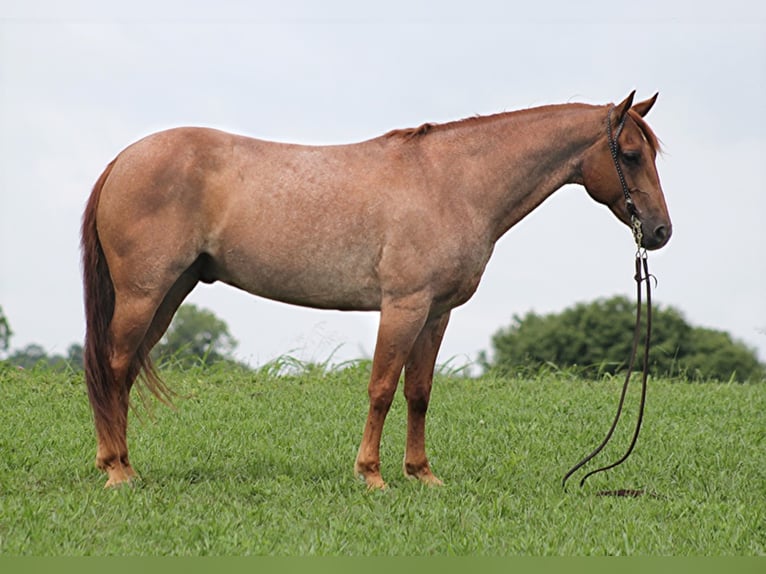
(457, 281)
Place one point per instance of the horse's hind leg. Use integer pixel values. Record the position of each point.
(170, 304)
(137, 324)
(131, 319)
(418, 379)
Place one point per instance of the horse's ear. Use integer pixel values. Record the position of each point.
(622, 108)
(642, 108)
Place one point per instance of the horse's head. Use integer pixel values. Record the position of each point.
(636, 151)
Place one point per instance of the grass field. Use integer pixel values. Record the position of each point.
(258, 464)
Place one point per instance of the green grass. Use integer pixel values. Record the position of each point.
(254, 464)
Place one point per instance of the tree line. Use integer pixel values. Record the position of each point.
(593, 339)
(195, 337)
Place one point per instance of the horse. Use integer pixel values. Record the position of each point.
(403, 224)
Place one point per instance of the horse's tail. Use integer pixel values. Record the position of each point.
(99, 308)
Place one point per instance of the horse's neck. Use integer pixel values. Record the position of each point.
(517, 160)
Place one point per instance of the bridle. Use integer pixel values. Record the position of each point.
(641, 276)
(615, 151)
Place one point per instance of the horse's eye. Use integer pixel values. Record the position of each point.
(631, 157)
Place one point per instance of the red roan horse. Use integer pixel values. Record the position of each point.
(404, 223)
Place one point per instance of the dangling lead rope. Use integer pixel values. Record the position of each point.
(642, 277)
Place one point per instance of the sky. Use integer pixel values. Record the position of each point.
(81, 80)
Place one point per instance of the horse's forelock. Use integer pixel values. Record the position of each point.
(649, 134)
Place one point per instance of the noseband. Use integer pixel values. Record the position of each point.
(641, 276)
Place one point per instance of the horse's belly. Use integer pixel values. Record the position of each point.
(311, 280)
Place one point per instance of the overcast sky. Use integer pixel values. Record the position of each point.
(79, 81)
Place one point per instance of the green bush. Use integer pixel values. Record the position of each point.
(596, 339)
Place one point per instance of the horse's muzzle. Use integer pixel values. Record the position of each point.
(659, 236)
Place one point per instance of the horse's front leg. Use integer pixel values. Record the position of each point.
(418, 379)
(401, 321)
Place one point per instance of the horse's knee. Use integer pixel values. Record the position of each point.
(418, 396)
(381, 395)
(418, 403)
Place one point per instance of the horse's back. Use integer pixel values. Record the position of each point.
(284, 221)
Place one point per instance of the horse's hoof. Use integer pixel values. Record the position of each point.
(122, 476)
(114, 484)
(375, 483)
(429, 479)
(423, 475)
(372, 479)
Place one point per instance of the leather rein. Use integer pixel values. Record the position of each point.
(642, 277)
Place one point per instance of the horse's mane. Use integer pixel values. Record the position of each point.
(422, 130)
(408, 134)
(427, 128)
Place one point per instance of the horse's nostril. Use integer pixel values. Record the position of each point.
(661, 232)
